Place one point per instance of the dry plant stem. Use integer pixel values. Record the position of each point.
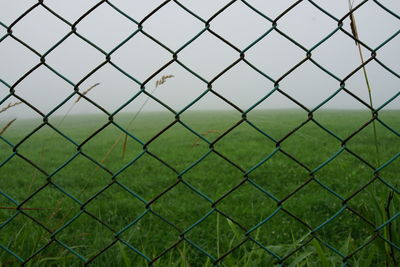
(85, 92)
(158, 82)
(355, 34)
(161, 81)
(134, 118)
(107, 155)
(354, 30)
(57, 126)
(10, 105)
(4, 129)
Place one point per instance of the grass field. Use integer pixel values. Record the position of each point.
(169, 215)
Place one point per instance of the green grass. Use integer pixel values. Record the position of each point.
(212, 177)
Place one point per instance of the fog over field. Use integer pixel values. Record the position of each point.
(207, 56)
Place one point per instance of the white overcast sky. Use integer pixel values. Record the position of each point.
(207, 55)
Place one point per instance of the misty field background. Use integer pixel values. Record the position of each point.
(146, 177)
(199, 133)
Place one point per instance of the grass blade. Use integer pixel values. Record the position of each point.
(321, 253)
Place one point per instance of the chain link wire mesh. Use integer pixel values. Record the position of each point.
(20, 209)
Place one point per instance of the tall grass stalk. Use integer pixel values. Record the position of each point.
(379, 205)
(354, 30)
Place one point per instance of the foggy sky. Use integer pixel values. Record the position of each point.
(140, 57)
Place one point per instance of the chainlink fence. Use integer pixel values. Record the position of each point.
(383, 232)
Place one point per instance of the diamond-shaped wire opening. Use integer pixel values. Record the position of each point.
(311, 145)
(11, 11)
(172, 206)
(342, 123)
(365, 145)
(102, 149)
(209, 65)
(184, 25)
(216, 234)
(376, 203)
(247, 205)
(178, 141)
(23, 237)
(214, 176)
(113, 89)
(241, 36)
(78, 127)
(280, 175)
(374, 24)
(383, 84)
(275, 55)
(75, 66)
(19, 179)
(151, 236)
(210, 116)
(242, 85)
(11, 69)
(69, 10)
(178, 91)
(345, 174)
(387, 54)
(280, 234)
(147, 177)
(276, 122)
(115, 207)
(40, 29)
(242, 139)
(141, 57)
(43, 89)
(45, 142)
(313, 199)
(309, 32)
(144, 123)
(101, 25)
(339, 55)
(346, 232)
(85, 235)
(82, 185)
(309, 85)
(275, 102)
(51, 207)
